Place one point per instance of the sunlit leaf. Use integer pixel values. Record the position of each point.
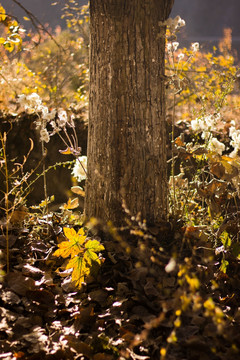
(46, 202)
(80, 270)
(214, 187)
(2, 14)
(78, 237)
(193, 282)
(73, 246)
(19, 355)
(9, 46)
(163, 352)
(209, 304)
(225, 239)
(224, 167)
(224, 265)
(84, 258)
(71, 204)
(94, 245)
(179, 142)
(177, 322)
(90, 257)
(78, 190)
(172, 337)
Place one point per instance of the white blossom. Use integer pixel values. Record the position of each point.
(169, 47)
(44, 110)
(175, 45)
(54, 125)
(198, 125)
(195, 47)
(80, 168)
(181, 56)
(49, 115)
(195, 125)
(44, 135)
(234, 134)
(21, 99)
(34, 100)
(62, 118)
(216, 146)
(171, 265)
(30, 102)
(234, 153)
(205, 124)
(206, 135)
(173, 24)
(181, 23)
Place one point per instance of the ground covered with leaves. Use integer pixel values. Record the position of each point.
(159, 294)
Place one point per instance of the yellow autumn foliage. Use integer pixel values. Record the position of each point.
(84, 254)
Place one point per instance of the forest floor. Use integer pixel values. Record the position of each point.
(159, 295)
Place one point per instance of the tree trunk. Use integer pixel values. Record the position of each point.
(127, 128)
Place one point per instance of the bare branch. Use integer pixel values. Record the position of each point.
(37, 24)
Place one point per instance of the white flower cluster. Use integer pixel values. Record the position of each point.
(215, 145)
(234, 134)
(195, 47)
(173, 24)
(205, 125)
(32, 103)
(80, 168)
(181, 56)
(172, 46)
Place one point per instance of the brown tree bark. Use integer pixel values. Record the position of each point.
(127, 128)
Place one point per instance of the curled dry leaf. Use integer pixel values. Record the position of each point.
(78, 190)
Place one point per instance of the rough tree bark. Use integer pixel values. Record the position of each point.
(127, 129)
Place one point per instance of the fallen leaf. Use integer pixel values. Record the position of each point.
(18, 215)
(78, 190)
(71, 204)
(100, 296)
(103, 356)
(19, 284)
(31, 270)
(9, 297)
(41, 296)
(11, 241)
(81, 347)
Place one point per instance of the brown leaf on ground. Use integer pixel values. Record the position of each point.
(19, 284)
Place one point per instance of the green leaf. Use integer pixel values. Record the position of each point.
(225, 239)
(90, 256)
(94, 245)
(224, 265)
